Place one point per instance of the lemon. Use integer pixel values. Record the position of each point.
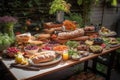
(19, 58)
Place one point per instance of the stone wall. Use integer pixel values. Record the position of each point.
(105, 16)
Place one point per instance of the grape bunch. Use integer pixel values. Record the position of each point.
(11, 51)
(46, 47)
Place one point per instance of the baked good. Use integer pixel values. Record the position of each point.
(51, 30)
(71, 34)
(49, 25)
(89, 28)
(42, 36)
(43, 56)
(82, 38)
(35, 42)
(23, 37)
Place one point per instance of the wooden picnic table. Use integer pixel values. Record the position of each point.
(21, 74)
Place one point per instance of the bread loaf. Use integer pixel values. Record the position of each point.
(51, 30)
(82, 38)
(43, 36)
(43, 56)
(71, 34)
(35, 42)
(50, 25)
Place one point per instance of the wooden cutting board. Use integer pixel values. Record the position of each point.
(27, 67)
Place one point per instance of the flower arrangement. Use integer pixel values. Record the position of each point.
(7, 25)
(8, 19)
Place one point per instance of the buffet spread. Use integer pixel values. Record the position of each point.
(59, 42)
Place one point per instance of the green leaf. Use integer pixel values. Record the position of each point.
(114, 3)
(30, 4)
(79, 2)
(37, 2)
(25, 13)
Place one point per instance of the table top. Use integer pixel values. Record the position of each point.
(21, 74)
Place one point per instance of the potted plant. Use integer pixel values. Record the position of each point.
(59, 7)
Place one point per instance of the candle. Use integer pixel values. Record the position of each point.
(65, 56)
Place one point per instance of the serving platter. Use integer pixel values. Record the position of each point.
(56, 60)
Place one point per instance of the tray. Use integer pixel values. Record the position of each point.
(56, 60)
